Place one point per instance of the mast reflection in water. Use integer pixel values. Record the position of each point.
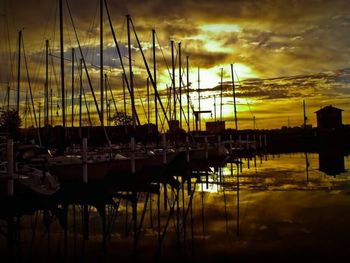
(264, 212)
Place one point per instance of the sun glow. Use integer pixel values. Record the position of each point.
(219, 28)
(209, 44)
(210, 35)
(211, 77)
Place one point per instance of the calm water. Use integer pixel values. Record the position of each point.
(279, 207)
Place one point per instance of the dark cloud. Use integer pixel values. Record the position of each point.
(310, 35)
(274, 39)
(207, 59)
(297, 87)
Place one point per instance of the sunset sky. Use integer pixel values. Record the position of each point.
(282, 51)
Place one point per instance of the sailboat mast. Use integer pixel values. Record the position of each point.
(173, 77)
(26, 111)
(131, 75)
(180, 87)
(31, 94)
(188, 93)
(155, 77)
(62, 65)
(108, 86)
(148, 115)
(199, 99)
(8, 97)
(46, 101)
(106, 95)
(119, 54)
(234, 97)
(73, 58)
(124, 93)
(106, 92)
(101, 61)
(80, 92)
(108, 112)
(169, 98)
(222, 73)
(39, 113)
(149, 73)
(19, 69)
(51, 112)
(88, 77)
(304, 109)
(214, 108)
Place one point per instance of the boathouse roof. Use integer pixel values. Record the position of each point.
(328, 108)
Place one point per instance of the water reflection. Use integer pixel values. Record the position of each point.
(259, 208)
(331, 162)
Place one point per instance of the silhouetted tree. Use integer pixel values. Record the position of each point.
(10, 122)
(120, 118)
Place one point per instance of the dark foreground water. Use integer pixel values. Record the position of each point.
(289, 207)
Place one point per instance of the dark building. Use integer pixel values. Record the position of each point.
(329, 117)
(174, 125)
(215, 126)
